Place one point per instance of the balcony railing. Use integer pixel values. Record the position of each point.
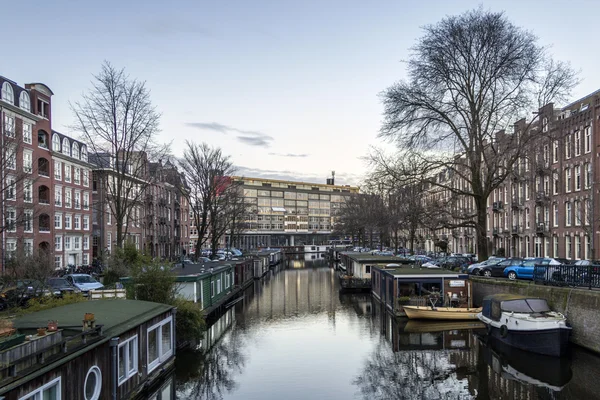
(541, 197)
(541, 228)
(497, 206)
(517, 230)
(516, 204)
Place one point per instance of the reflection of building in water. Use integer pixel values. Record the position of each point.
(295, 291)
(217, 330)
(166, 391)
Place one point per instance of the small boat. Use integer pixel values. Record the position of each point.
(430, 312)
(526, 323)
(420, 326)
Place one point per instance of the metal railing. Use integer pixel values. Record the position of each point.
(568, 275)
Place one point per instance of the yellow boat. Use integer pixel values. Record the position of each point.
(420, 312)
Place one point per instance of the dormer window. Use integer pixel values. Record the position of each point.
(8, 94)
(43, 139)
(66, 147)
(43, 108)
(55, 142)
(25, 101)
(75, 151)
(84, 156)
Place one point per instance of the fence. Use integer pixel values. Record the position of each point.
(587, 276)
(108, 294)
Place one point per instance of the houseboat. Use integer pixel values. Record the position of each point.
(412, 285)
(356, 269)
(316, 248)
(95, 350)
(526, 323)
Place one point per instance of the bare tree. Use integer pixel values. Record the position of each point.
(118, 122)
(363, 216)
(470, 76)
(238, 212)
(204, 168)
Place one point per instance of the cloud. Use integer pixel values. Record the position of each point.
(288, 155)
(285, 175)
(252, 138)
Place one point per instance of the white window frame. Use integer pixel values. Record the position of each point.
(37, 393)
(57, 170)
(132, 372)
(68, 173)
(70, 219)
(76, 222)
(11, 187)
(587, 139)
(86, 201)
(76, 175)
(58, 246)
(67, 240)
(28, 189)
(98, 388)
(86, 243)
(76, 243)
(28, 161)
(28, 216)
(59, 226)
(27, 133)
(9, 125)
(85, 223)
(161, 357)
(85, 259)
(577, 143)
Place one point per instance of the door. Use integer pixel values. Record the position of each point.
(71, 259)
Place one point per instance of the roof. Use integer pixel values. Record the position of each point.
(411, 271)
(202, 269)
(116, 315)
(505, 297)
(368, 257)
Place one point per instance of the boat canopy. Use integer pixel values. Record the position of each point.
(493, 306)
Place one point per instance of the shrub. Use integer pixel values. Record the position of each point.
(152, 282)
(47, 302)
(190, 323)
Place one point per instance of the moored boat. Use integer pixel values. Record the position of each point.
(422, 326)
(441, 313)
(526, 323)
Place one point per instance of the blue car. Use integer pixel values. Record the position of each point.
(525, 270)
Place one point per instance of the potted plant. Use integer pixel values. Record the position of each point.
(52, 326)
(41, 331)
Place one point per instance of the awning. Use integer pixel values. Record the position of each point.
(278, 209)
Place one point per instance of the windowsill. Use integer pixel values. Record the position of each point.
(43, 231)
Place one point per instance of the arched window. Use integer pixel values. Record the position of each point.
(8, 93)
(66, 149)
(84, 153)
(75, 151)
(55, 142)
(24, 101)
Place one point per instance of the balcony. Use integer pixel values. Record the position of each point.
(516, 204)
(517, 230)
(541, 197)
(455, 233)
(496, 232)
(542, 167)
(497, 206)
(542, 229)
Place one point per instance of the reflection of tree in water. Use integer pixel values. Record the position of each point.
(410, 375)
(209, 376)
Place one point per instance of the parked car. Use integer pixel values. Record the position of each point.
(452, 262)
(523, 270)
(18, 293)
(474, 269)
(84, 282)
(497, 270)
(60, 286)
(184, 262)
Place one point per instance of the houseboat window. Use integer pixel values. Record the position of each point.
(526, 306)
(128, 359)
(367, 269)
(50, 391)
(218, 286)
(212, 289)
(160, 343)
(93, 384)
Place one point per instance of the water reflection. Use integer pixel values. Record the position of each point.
(294, 336)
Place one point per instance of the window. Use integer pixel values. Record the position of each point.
(58, 196)
(67, 173)
(86, 259)
(555, 220)
(27, 161)
(67, 197)
(66, 148)
(578, 177)
(86, 242)
(11, 247)
(128, 359)
(587, 139)
(76, 222)
(588, 175)
(568, 216)
(86, 178)
(108, 215)
(50, 391)
(578, 215)
(555, 183)
(568, 147)
(11, 220)
(577, 143)
(9, 125)
(160, 343)
(11, 188)
(527, 218)
(555, 246)
(75, 152)
(67, 222)
(57, 170)
(578, 247)
(28, 247)
(86, 222)
(57, 262)
(67, 242)
(588, 246)
(58, 243)
(568, 180)
(55, 142)
(84, 156)
(109, 242)
(11, 157)
(76, 176)
(27, 133)
(8, 94)
(25, 101)
(93, 384)
(28, 221)
(212, 289)
(43, 139)
(76, 243)
(86, 201)
(77, 200)
(568, 251)
(58, 221)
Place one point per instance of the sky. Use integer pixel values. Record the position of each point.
(288, 89)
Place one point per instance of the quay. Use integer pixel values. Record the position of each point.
(100, 349)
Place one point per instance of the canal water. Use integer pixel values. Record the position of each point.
(294, 336)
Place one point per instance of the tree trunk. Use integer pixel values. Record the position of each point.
(119, 234)
(481, 229)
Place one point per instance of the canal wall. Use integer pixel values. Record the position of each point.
(580, 306)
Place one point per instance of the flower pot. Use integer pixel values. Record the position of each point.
(52, 326)
(88, 317)
(41, 331)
